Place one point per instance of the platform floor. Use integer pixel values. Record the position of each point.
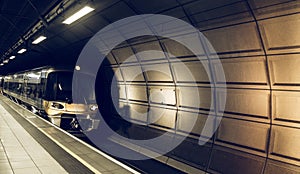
(20, 153)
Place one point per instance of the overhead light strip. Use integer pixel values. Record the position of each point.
(39, 39)
(12, 57)
(22, 50)
(49, 17)
(84, 11)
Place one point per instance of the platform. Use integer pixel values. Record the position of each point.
(30, 144)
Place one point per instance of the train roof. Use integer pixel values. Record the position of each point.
(44, 68)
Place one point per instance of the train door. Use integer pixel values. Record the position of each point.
(32, 87)
(25, 91)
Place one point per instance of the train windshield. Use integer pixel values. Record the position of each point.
(59, 87)
(64, 86)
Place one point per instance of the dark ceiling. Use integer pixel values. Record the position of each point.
(65, 42)
(16, 18)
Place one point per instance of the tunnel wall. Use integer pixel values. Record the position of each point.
(258, 44)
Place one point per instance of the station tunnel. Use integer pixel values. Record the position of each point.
(245, 76)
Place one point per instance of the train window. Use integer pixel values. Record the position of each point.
(32, 91)
(28, 90)
(18, 88)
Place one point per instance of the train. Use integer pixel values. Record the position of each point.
(47, 91)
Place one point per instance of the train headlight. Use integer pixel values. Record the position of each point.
(93, 107)
(57, 105)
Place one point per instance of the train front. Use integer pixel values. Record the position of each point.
(59, 105)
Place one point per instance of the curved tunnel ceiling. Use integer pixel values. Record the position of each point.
(258, 43)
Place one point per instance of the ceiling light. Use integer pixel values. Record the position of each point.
(1, 64)
(84, 11)
(39, 39)
(22, 50)
(6, 61)
(12, 57)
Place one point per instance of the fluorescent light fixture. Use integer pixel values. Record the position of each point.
(1, 64)
(6, 61)
(22, 50)
(12, 57)
(39, 39)
(84, 11)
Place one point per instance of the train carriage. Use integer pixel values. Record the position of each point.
(48, 91)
